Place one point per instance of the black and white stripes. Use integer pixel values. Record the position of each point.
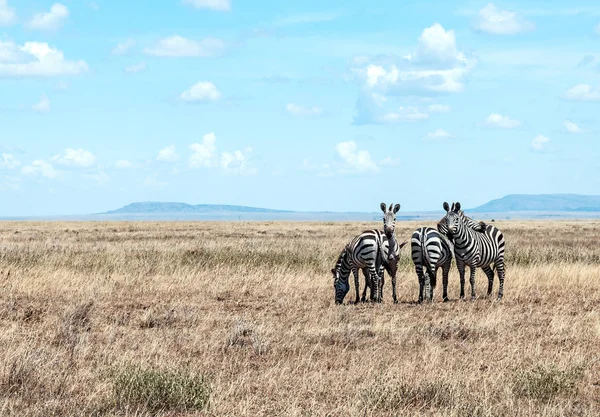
(430, 251)
(363, 252)
(475, 249)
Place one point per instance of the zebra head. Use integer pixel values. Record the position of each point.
(341, 286)
(389, 219)
(453, 219)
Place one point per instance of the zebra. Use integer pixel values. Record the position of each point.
(363, 252)
(431, 250)
(390, 267)
(475, 249)
(473, 224)
(393, 254)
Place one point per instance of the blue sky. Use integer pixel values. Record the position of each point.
(308, 105)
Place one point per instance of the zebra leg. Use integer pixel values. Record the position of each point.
(376, 279)
(394, 288)
(461, 272)
(419, 270)
(367, 285)
(382, 277)
(472, 281)
(433, 284)
(499, 265)
(445, 271)
(356, 285)
(490, 276)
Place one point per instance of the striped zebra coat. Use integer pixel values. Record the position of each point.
(363, 252)
(475, 249)
(391, 266)
(430, 251)
(393, 254)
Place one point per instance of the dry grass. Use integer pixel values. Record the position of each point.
(238, 319)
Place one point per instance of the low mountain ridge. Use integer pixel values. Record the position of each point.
(153, 207)
(541, 202)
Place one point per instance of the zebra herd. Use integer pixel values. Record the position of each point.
(473, 244)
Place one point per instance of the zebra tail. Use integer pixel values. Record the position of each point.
(426, 256)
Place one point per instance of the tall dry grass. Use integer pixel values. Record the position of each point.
(236, 319)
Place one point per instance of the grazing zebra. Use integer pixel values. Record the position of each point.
(431, 250)
(390, 267)
(363, 252)
(475, 249)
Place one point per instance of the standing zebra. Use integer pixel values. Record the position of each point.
(431, 250)
(393, 254)
(390, 267)
(475, 249)
(363, 252)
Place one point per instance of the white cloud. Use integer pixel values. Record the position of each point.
(436, 67)
(205, 155)
(123, 164)
(178, 46)
(437, 44)
(75, 157)
(123, 47)
(573, 127)
(439, 134)
(201, 91)
(7, 14)
(133, 69)
(40, 167)
(8, 161)
(539, 143)
(237, 162)
(43, 105)
(355, 159)
(582, 92)
(495, 21)
(403, 114)
(51, 20)
(439, 108)
(299, 110)
(168, 154)
(36, 59)
(218, 5)
(503, 122)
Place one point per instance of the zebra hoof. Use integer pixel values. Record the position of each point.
(395, 301)
(499, 298)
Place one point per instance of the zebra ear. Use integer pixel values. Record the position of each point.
(383, 208)
(457, 207)
(446, 206)
(396, 208)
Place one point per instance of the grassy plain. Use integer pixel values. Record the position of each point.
(238, 319)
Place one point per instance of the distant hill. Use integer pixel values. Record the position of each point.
(542, 202)
(151, 207)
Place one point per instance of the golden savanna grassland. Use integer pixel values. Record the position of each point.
(238, 319)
